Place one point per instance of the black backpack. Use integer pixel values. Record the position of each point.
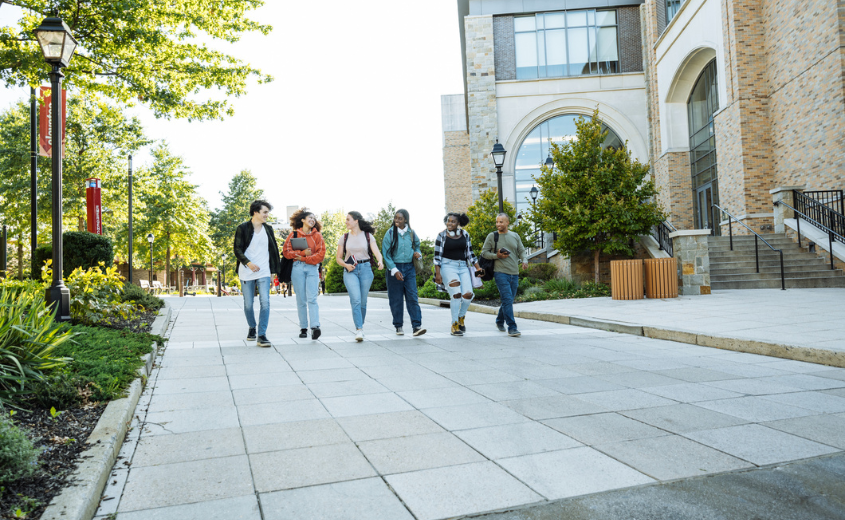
(369, 248)
(287, 267)
(489, 265)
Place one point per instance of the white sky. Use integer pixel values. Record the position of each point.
(352, 119)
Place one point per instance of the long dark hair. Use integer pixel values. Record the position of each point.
(300, 215)
(365, 225)
(404, 213)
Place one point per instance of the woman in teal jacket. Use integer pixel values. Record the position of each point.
(399, 247)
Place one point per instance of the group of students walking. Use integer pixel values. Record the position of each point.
(457, 270)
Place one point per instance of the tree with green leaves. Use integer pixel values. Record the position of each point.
(243, 190)
(173, 213)
(334, 226)
(161, 53)
(595, 198)
(482, 220)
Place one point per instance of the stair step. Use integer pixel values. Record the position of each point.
(750, 247)
(791, 283)
(769, 269)
(768, 253)
(810, 263)
(765, 275)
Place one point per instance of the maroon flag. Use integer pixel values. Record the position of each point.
(45, 126)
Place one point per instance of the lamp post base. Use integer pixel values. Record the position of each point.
(58, 299)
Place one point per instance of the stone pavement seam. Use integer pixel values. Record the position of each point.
(806, 354)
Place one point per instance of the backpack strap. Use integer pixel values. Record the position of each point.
(345, 238)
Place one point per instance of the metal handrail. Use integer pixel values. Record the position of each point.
(823, 215)
(756, 236)
(830, 233)
(660, 233)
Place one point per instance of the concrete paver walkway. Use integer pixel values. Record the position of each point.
(812, 318)
(438, 426)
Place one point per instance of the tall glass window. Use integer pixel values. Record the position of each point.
(535, 149)
(571, 43)
(702, 104)
(672, 7)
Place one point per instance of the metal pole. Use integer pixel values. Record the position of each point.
(756, 253)
(3, 252)
(218, 284)
(57, 295)
(151, 264)
(501, 200)
(830, 240)
(130, 218)
(33, 183)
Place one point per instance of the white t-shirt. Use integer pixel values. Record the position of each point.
(258, 253)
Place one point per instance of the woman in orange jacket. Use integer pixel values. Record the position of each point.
(304, 274)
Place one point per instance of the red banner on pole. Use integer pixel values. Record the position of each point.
(95, 207)
(45, 125)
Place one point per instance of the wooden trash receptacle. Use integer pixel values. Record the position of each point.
(661, 278)
(626, 279)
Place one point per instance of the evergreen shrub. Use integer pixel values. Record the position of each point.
(80, 249)
(18, 456)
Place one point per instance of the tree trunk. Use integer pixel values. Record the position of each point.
(20, 257)
(81, 224)
(596, 255)
(167, 268)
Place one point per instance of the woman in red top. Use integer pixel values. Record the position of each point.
(304, 274)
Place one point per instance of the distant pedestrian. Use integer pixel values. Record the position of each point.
(354, 253)
(322, 278)
(506, 249)
(400, 247)
(306, 248)
(452, 257)
(258, 260)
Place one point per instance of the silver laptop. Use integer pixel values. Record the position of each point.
(298, 243)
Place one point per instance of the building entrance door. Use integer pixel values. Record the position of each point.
(702, 104)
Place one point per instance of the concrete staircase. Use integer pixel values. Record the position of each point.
(736, 269)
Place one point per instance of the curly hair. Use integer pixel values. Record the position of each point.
(462, 218)
(365, 225)
(299, 215)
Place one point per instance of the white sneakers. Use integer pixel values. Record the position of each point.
(359, 335)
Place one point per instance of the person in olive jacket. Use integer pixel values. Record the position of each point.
(258, 260)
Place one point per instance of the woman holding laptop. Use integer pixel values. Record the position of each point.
(354, 252)
(306, 248)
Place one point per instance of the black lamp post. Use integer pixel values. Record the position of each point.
(534, 192)
(151, 239)
(3, 252)
(498, 154)
(130, 219)
(57, 45)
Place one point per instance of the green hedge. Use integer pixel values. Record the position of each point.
(80, 249)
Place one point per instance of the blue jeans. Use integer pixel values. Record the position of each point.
(507, 285)
(306, 284)
(406, 290)
(248, 288)
(358, 283)
(457, 270)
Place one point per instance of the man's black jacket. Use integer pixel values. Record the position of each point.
(243, 237)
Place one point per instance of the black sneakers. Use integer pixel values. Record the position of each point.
(264, 342)
(250, 336)
(303, 333)
(315, 333)
(501, 327)
(419, 331)
(399, 331)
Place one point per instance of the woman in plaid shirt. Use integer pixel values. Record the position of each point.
(452, 257)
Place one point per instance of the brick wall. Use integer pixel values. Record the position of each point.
(674, 184)
(504, 47)
(481, 101)
(630, 39)
(456, 171)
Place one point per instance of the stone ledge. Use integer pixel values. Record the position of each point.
(806, 354)
(80, 499)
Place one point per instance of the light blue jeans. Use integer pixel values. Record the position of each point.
(248, 288)
(358, 283)
(306, 284)
(451, 270)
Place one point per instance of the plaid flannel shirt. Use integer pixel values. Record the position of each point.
(438, 248)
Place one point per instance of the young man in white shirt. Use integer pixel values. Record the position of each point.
(258, 260)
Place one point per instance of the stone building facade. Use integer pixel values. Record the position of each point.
(456, 160)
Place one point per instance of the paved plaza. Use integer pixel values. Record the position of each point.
(438, 426)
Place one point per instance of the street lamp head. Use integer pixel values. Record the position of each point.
(498, 154)
(224, 256)
(150, 238)
(56, 42)
(550, 163)
(534, 192)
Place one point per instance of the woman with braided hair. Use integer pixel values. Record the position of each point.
(452, 258)
(400, 247)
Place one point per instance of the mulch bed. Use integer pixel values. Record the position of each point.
(142, 323)
(63, 439)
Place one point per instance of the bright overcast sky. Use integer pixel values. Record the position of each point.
(351, 121)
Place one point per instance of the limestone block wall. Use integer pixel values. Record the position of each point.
(672, 178)
(456, 170)
(481, 101)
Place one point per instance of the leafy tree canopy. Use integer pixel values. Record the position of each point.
(482, 220)
(595, 198)
(243, 191)
(149, 50)
(334, 226)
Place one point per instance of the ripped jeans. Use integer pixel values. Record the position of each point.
(450, 272)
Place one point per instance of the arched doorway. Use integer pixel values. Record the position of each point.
(535, 148)
(702, 104)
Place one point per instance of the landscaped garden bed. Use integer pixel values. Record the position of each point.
(56, 379)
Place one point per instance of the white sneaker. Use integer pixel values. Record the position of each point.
(359, 335)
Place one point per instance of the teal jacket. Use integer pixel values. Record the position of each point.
(409, 243)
